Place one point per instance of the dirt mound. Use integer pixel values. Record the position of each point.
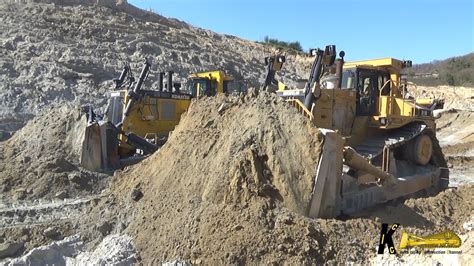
(213, 190)
(42, 158)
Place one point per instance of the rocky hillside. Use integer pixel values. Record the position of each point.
(54, 51)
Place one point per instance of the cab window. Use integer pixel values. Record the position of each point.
(201, 87)
(367, 92)
(348, 79)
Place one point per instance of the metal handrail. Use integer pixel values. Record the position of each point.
(301, 108)
(390, 94)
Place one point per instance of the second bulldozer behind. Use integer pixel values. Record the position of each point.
(136, 121)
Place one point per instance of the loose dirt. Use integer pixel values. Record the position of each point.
(212, 190)
(42, 159)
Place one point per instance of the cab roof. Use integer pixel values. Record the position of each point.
(391, 64)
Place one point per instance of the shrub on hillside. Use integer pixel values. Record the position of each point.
(296, 46)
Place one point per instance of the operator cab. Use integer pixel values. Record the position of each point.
(369, 83)
(202, 87)
(210, 84)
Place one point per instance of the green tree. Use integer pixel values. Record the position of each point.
(450, 79)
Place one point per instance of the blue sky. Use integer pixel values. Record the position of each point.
(420, 30)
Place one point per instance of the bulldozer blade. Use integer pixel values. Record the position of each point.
(326, 199)
(100, 148)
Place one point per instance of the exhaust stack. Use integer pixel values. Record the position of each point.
(339, 65)
(169, 86)
(161, 78)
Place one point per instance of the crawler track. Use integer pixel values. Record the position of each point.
(373, 147)
(41, 212)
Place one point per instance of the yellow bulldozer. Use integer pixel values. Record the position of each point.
(137, 121)
(379, 142)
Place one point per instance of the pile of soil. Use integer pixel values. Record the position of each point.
(42, 159)
(218, 186)
(232, 185)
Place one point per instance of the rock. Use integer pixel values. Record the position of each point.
(77, 178)
(74, 177)
(238, 227)
(64, 165)
(105, 228)
(136, 194)
(469, 226)
(51, 232)
(287, 220)
(62, 195)
(209, 123)
(221, 108)
(26, 159)
(19, 194)
(10, 249)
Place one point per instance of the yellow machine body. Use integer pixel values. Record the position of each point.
(209, 83)
(390, 108)
(380, 143)
(136, 123)
(152, 117)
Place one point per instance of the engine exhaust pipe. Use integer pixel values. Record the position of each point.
(135, 94)
(339, 68)
(170, 81)
(161, 78)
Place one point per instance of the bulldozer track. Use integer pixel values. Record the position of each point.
(373, 147)
(41, 212)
